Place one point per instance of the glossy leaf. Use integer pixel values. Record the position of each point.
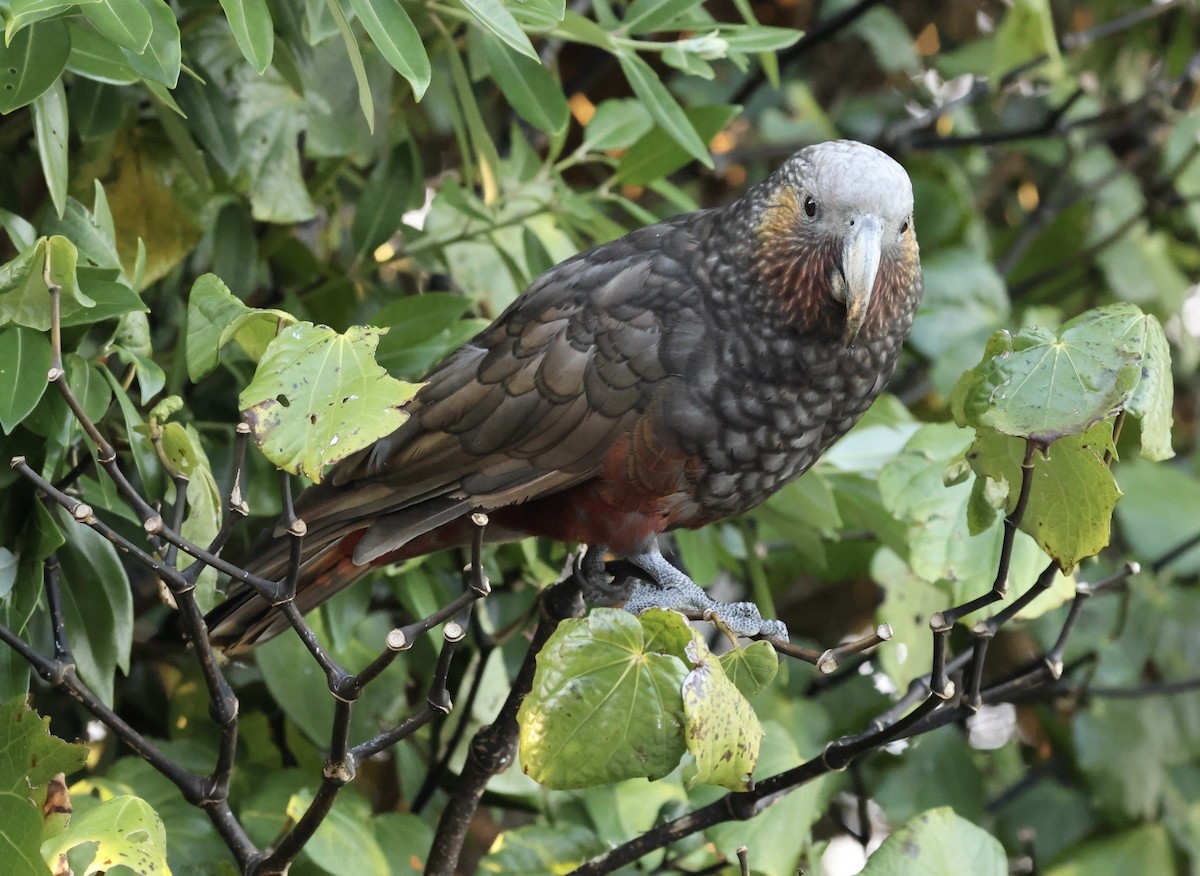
(493, 15)
(665, 109)
(26, 12)
(366, 103)
(24, 361)
(532, 90)
(24, 298)
(97, 57)
(51, 125)
(253, 30)
(31, 62)
(397, 39)
(160, 60)
(97, 605)
(648, 16)
(616, 124)
(125, 22)
(389, 194)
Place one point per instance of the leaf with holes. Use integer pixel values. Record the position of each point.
(125, 830)
(319, 396)
(722, 731)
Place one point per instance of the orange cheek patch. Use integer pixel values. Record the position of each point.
(780, 219)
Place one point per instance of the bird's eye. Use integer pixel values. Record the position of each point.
(810, 207)
(904, 227)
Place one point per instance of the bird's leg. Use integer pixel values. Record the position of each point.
(597, 585)
(675, 590)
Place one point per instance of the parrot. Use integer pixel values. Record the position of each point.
(672, 378)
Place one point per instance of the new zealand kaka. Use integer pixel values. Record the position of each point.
(674, 377)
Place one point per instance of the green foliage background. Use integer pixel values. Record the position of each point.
(412, 166)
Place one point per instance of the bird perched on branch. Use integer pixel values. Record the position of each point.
(669, 379)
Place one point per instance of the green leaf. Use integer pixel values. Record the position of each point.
(31, 62)
(23, 295)
(648, 16)
(665, 109)
(1154, 397)
(752, 668)
(539, 15)
(270, 158)
(126, 831)
(1145, 849)
(1073, 492)
(97, 605)
(493, 15)
(603, 707)
(415, 319)
(113, 299)
(25, 12)
(24, 362)
(32, 755)
(759, 38)
(253, 31)
(125, 22)
(583, 30)
(92, 233)
(20, 836)
(938, 843)
(184, 451)
(541, 848)
(50, 125)
(723, 733)
(145, 458)
(393, 186)
(366, 102)
(318, 396)
(344, 844)
(254, 330)
(397, 39)
(160, 60)
(90, 389)
(532, 90)
(210, 119)
(616, 124)
(97, 57)
(211, 308)
(1043, 385)
(654, 156)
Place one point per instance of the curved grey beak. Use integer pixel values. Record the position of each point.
(860, 263)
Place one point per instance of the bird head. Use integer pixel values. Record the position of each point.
(835, 236)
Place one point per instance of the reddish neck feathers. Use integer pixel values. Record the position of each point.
(795, 268)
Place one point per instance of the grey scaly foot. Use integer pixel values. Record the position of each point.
(675, 590)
